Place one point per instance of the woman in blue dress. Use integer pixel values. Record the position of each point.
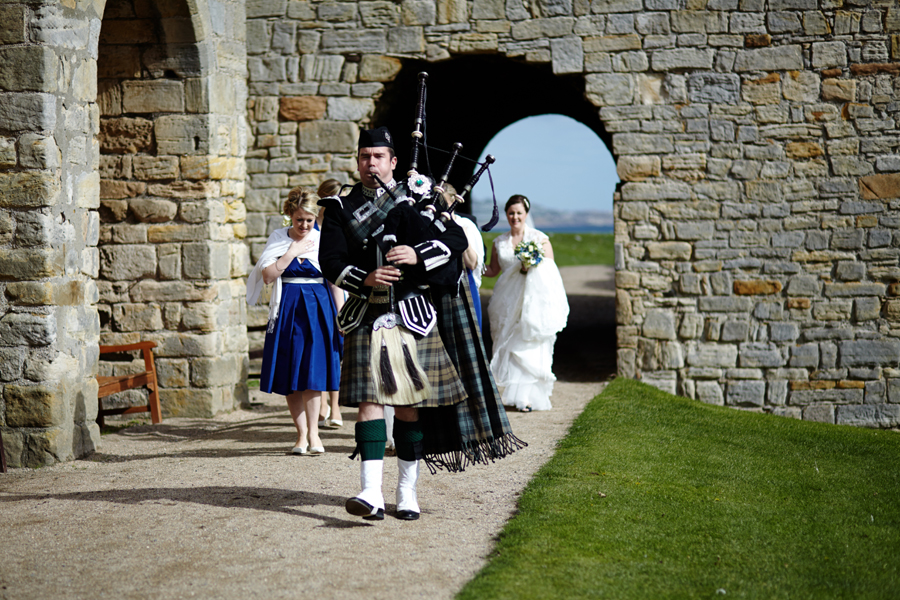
(302, 354)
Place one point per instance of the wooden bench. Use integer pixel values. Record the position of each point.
(120, 383)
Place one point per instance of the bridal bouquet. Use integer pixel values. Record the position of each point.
(530, 254)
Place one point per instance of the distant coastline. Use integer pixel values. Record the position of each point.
(550, 220)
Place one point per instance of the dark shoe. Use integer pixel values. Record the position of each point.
(525, 409)
(407, 515)
(360, 508)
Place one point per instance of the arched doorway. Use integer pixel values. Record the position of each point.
(171, 139)
(470, 100)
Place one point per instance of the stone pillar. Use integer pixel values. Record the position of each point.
(48, 233)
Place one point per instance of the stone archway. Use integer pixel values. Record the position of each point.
(470, 99)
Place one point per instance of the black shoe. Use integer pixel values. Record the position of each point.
(407, 515)
(360, 508)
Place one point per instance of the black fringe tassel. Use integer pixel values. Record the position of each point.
(387, 374)
(411, 367)
(484, 452)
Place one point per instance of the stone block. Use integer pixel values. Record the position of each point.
(327, 136)
(695, 230)
(28, 189)
(715, 88)
(185, 190)
(31, 68)
(757, 287)
(804, 285)
(760, 354)
(833, 310)
(153, 96)
(883, 186)
(712, 355)
(610, 89)
(734, 331)
(137, 317)
(172, 373)
(800, 86)
(33, 406)
(408, 40)
(783, 332)
(725, 304)
(11, 361)
(182, 134)
(870, 353)
(127, 263)
(126, 135)
(801, 150)
(354, 41)
(155, 167)
(659, 324)
(567, 55)
(829, 54)
(302, 108)
(669, 250)
(821, 413)
(205, 260)
(710, 392)
(152, 210)
(780, 58)
(378, 68)
(746, 393)
(841, 90)
(31, 263)
(421, 12)
(216, 371)
(350, 109)
(27, 111)
(878, 415)
(866, 309)
(266, 8)
(13, 20)
(321, 68)
(682, 58)
(637, 168)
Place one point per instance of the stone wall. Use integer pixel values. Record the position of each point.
(48, 232)
(756, 142)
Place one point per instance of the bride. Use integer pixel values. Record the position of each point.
(527, 310)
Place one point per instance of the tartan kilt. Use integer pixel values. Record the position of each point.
(357, 385)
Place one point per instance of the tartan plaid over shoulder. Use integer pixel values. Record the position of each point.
(477, 430)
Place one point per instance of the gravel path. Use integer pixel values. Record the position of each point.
(218, 508)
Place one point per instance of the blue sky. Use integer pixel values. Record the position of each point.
(554, 160)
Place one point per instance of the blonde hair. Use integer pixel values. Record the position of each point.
(329, 187)
(301, 198)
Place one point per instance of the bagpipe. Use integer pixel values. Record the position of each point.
(416, 219)
(423, 215)
(431, 199)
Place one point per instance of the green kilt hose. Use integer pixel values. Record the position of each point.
(357, 383)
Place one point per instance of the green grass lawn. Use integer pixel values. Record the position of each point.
(569, 249)
(654, 496)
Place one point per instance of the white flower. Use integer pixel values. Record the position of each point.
(419, 184)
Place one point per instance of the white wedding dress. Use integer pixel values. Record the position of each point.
(526, 312)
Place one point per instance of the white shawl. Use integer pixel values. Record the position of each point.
(277, 244)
